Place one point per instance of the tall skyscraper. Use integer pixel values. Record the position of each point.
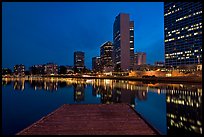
(131, 44)
(140, 58)
(106, 51)
(79, 59)
(183, 33)
(123, 42)
(96, 64)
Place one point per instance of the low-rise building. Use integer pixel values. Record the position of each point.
(51, 69)
(19, 70)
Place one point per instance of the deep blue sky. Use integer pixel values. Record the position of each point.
(42, 32)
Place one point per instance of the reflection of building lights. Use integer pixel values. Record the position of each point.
(15, 84)
(89, 81)
(78, 93)
(107, 81)
(158, 91)
(98, 95)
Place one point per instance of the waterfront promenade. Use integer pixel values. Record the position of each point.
(183, 79)
(91, 119)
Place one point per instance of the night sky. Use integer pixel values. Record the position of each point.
(42, 32)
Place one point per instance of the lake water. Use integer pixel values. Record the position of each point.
(172, 109)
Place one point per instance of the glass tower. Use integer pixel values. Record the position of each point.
(183, 33)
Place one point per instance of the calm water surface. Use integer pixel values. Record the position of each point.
(169, 108)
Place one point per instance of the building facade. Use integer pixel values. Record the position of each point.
(106, 55)
(19, 70)
(123, 42)
(96, 64)
(37, 69)
(140, 58)
(131, 44)
(183, 33)
(79, 59)
(159, 63)
(51, 69)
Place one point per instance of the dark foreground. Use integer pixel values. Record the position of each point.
(91, 119)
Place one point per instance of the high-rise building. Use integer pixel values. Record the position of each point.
(106, 54)
(140, 58)
(19, 70)
(96, 64)
(183, 33)
(123, 42)
(79, 59)
(131, 44)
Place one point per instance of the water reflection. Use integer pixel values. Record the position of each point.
(183, 102)
(79, 92)
(19, 85)
(184, 111)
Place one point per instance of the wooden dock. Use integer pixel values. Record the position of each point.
(91, 119)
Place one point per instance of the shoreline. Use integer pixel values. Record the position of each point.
(187, 79)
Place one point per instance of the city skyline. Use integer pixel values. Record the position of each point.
(54, 31)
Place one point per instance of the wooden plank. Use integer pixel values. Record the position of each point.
(91, 119)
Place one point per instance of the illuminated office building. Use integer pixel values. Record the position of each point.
(183, 33)
(96, 64)
(79, 59)
(106, 51)
(123, 42)
(131, 44)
